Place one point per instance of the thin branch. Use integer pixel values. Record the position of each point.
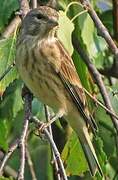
(30, 164)
(22, 144)
(100, 104)
(12, 148)
(47, 114)
(97, 77)
(34, 4)
(115, 18)
(24, 7)
(55, 150)
(11, 27)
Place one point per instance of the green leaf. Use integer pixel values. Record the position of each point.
(73, 157)
(3, 135)
(10, 106)
(102, 157)
(4, 178)
(7, 56)
(12, 102)
(81, 69)
(65, 30)
(17, 103)
(114, 98)
(88, 36)
(63, 3)
(106, 131)
(107, 19)
(6, 10)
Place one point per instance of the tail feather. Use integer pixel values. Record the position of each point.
(81, 129)
(90, 153)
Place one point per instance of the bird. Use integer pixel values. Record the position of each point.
(47, 69)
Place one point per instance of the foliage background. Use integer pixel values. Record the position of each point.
(11, 103)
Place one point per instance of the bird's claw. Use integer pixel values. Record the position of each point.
(42, 127)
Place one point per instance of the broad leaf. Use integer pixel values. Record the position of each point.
(7, 8)
(7, 56)
(64, 33)
(73, 157)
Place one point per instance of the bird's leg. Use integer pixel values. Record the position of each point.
(60, 114)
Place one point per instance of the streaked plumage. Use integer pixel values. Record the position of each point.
(48, 71)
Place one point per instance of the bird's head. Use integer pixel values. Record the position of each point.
(40, 21)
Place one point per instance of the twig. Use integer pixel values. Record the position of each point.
(24, 7)
(30, 164)
(115, 18)
(97, 77)
(22, 144)
(11, 27)
(47, 114)
(7, 71)
(8, 170)
(100, 104)
(34, 4)
(55, 150)
(12, 148)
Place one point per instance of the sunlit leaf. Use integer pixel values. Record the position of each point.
(73, 157)
(7, 56)
(64, 33)
(3, 135)
(7, 8)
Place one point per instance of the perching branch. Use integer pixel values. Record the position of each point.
(12, 148)
(30, 163)
(53, 146)
(48, 117)
(21, 143)
(27, 100)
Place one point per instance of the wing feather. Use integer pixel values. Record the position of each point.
(72, 83)
(65, 69)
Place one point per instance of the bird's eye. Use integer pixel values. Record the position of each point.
(39, 16)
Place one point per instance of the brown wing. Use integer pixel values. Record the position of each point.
(72, 83)
(63, 65)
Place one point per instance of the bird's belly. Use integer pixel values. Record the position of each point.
(44, 84)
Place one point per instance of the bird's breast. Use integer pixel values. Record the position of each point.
(40, 77)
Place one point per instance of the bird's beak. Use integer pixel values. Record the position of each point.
(52, 23)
